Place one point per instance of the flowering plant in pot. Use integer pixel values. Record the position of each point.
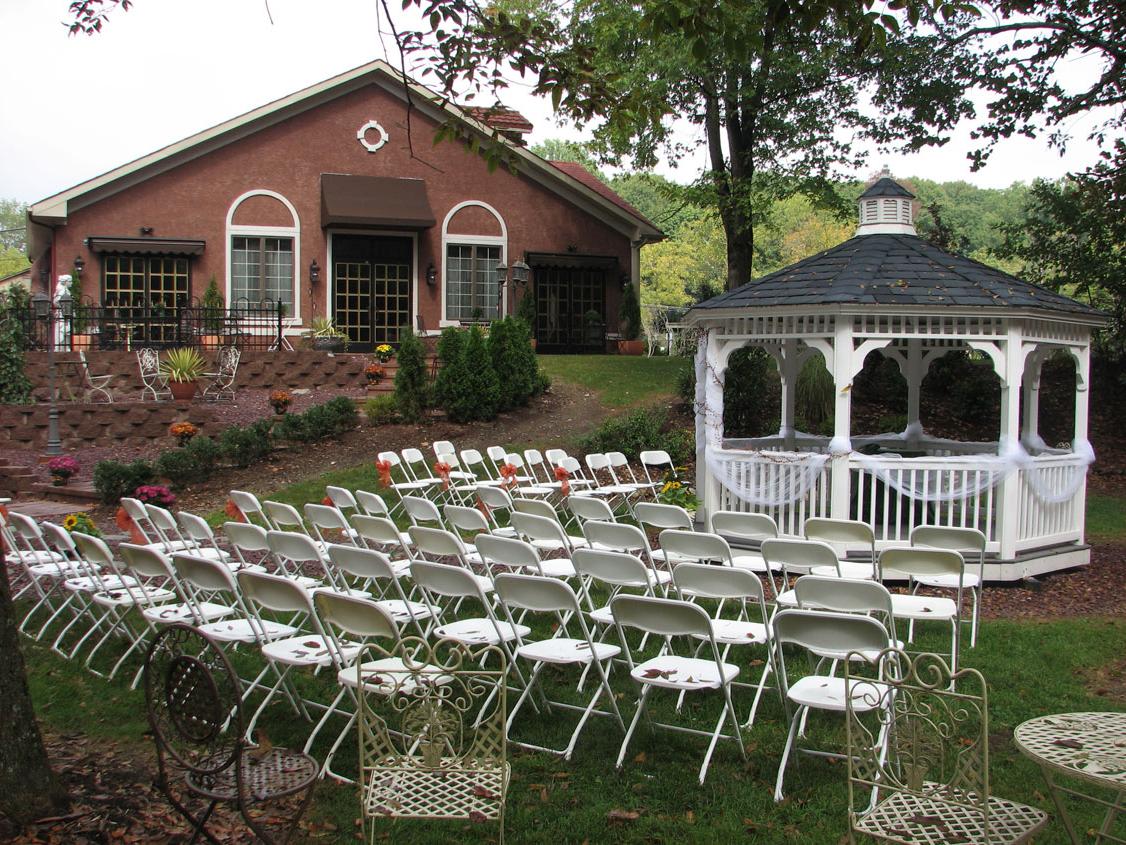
(384, 353)
(374, 372)
(280, 400)
(674, 492)
(183, 431)
(82, 523)
(182, 366)
(62, 468)
(155, 494)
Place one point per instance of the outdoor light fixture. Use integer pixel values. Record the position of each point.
(521, 273)
(431, 275)
(314, 272)
(79, 265)
(146, 230)
(41, 304)
(65, 305)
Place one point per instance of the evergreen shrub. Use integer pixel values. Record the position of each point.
(411, 389)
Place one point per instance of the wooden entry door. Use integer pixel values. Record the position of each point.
(570, 309)
(371, 284)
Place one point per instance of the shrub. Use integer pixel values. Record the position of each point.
(538, 381)
(381, 410)
(243, 445)
(508, 348)
(813, 396)
(318, 422)
(113, 480)
(410, 381)
(450, 347)
(629, 314)
(644, 428)
(343, 414)
(181, 468)
(526, 308)
(293, 428)
(206, 452)
(476, 394)
(543, 383)
(750, 394)
(15, 386)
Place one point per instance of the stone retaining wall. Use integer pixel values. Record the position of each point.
(120, 423)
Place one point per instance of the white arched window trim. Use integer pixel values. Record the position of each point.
(293, 231)
(486, 240)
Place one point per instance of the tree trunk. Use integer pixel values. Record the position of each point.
(29, 789)
(740, 250)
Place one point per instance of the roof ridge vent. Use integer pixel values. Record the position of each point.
(886, 208)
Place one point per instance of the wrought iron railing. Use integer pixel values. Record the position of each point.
(248, 325)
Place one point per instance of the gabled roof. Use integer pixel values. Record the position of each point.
(894, 270)
(577, 171)
(53, 210)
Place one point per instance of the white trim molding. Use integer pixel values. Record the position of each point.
(294, 232)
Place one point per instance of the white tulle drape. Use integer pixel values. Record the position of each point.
(772, 479)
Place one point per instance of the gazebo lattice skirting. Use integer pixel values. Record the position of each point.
(889, 291)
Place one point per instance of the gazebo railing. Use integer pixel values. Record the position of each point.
(1043, 521)
(799, 488)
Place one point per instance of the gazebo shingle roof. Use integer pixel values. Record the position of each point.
(893, 269)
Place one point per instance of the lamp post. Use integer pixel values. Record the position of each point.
(520, 275)
(41, 304)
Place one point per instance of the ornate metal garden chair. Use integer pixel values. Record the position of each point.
(194, 703)
(930, 784)
(432, 733)
(152, 379)
(222, 384)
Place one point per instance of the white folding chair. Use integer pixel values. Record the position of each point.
(821, 632)
(586, 508)
(403, 481)
(381, 579)
(623, 473)
(372, 504)
(539, 595)
(422, 511)
(744, 527)
(490, 500)
(294, 553)
(606, 484)
(246, 538)
(623, 537)
(670, 618)
(971, 543)
(546, 534)
(925, 562)
(526, 485)
(381, 534)
(510, 553)
(343, 500)
(201, 539)
(324, 518)
(250, 507)
(845, 536)
(658, 468)
(436, 544)
(285, 517)
(794, 557)
(660, 516)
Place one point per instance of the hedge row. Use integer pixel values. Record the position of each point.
(239, 446)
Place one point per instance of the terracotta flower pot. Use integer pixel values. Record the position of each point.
(631, 347)
(183, 391)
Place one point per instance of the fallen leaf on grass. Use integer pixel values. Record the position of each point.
(640, 757)
(620, 815)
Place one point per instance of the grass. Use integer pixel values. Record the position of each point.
(1032, 668)
(620, 381)
(1105, 518)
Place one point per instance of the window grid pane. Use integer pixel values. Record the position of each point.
(471, 281)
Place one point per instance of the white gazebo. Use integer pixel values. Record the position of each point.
(888, 290)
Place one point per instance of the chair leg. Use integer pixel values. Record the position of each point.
(641, 702)
(786, 752)
(976, 594)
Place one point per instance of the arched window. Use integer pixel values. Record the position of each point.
(264, 250)
(474, 242)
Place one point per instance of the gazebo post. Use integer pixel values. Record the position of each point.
(789, 366)
(841, 444)
(1011, 371)
(709, 411)
(1082, 398)
(915, 371)
(1030, 429)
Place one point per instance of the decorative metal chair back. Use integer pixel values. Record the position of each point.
(432, 734)
(193, 698)
(932, 778)
(223, 379)
(148, 360)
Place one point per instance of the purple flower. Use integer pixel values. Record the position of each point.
(155, 494)
(64, 465)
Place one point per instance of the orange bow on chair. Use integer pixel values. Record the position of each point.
(443, 470)
(232, 510)
(564, 479)
(384, 470)
(508, 473)
(125, 523)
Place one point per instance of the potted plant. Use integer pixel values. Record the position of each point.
(62, 468)
(325, 335)
(374, 372)
(280, 400)
(595, 328)
(674, 492)
(81, 522)
(214, 309)
(629, 318)
(183, 431)
(182, 366)
(384, 353)
(155, 494)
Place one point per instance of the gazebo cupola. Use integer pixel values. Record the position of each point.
(886, 208)
(888, 291)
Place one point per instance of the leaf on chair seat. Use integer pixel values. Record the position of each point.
(1068, 743)
(374, 679)
(658, 673)
(582, 646)
(311, 644)
(482, 792)
(932, 821)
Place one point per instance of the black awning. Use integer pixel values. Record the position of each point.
(146, 246)
(572, 261)
(374, 201)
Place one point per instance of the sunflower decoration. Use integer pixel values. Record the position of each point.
(82, 523)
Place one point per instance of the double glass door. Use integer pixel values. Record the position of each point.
(371, 282)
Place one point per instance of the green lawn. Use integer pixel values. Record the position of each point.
(1106, 518)
(1033, 668)
(621, 381)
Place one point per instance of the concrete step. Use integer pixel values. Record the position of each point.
(79, 493)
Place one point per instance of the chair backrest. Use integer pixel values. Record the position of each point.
(825, 631)
(135, 508)
(274, 592)
(193, 698)
(371, 504)
(659, 515)
(283, 517)
(536, 593)
(461, 518)
(619, 569)
(507, 551)
(843, 534)
(536, 507)
(342, 498)
(495, 498)
(842, 595)
(195, 527)
(145, 562)
(443, 447)
(204, 573)
(655, 462)
(619, 462)
(226, 361)
(162, 519)
(356, 616)
(300, 548)
(360, 563)
(246, 537)
(249, 505)
(616, 536)
(422, 511)
(497, 455)
(958, 539)
(745, 526)
(589, 507)
(667, 617)
(93, 550)
(445, 580)
(59, 539)
(555, 456)
(718, 582)
(472, 461)
(921, 561)
(541, 528)
(936, 751)
(325, 517)
(596, 461)
(797, 557)
(26, 528)
(377, 529)
(695, 545)
(148, 361)
(437, 542)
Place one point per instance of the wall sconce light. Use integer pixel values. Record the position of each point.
(79, 266)
(146, 230)
(521, 273)
(314, 272)
(625, 280)
(431, 275)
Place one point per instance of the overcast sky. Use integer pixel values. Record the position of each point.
(75, 107)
